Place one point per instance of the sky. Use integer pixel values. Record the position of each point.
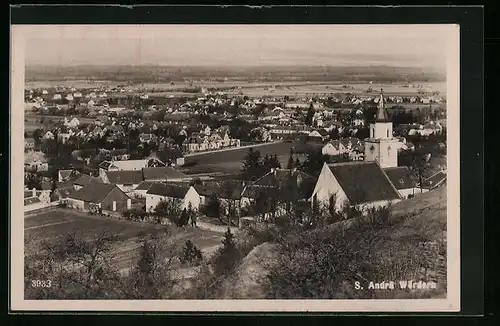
(237, 45)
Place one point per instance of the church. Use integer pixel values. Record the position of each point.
(375, 182)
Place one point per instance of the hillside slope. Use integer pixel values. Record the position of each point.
(412, 246)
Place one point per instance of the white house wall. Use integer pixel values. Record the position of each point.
(410, 191)
(327, 186)
(75, 203)
(152, 201)
(193, 198)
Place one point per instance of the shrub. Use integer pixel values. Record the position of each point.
(190, 253)
(229, 255)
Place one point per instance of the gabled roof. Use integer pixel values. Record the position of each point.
(63, 192)
(106, 164)
(84, 180)
(73, 174)
(163, 173)
(364, 182)
(168, 190)
(93, 192)
(336, 144)
(206, 189)
(125, 177)
(400, 177)
(145, 185)
(435, 180)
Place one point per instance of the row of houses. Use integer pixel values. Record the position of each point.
(356, 184)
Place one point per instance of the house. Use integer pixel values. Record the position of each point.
(99, 197)
(356, 184)
(115, 109)
(357, 154)
(73, 123)
(228, 192)
(142, 188)
(129, 165)
(207, 131)
(315, 136)
(84, 180)
(56, 97)
(160, 191)
(67, 175)
(351, 143)
(333, 148)
(125, 180)
(29, 144)
(292, 183)
(63, 137)
(37, 196)
(48, 135)
(62, 192)
(119, 155)
(436, 180)
(147, 138)
(35, 161)
(163, 174)
(403, 180)
(45, 192)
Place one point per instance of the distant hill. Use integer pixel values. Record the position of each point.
(150, 73)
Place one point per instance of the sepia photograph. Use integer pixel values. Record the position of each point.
(202, 167)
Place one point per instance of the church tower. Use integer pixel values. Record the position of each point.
(382, 146)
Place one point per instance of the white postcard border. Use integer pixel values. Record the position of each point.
(18, 303)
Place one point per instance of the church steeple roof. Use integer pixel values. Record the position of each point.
(382, 115)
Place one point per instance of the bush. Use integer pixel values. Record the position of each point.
(229, 256)
(190, 254)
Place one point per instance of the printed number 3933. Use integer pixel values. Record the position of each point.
(41, 283)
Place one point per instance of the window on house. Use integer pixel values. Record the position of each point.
(387, 133)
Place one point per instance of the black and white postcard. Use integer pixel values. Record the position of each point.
(235, 168)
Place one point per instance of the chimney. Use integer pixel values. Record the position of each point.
(34, 192)
(129, 203)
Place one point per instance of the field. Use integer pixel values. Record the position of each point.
(231, 161)
(52, 225)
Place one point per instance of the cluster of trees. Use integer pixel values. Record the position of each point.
(255, 166)
(78, 267)
(320, 264)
